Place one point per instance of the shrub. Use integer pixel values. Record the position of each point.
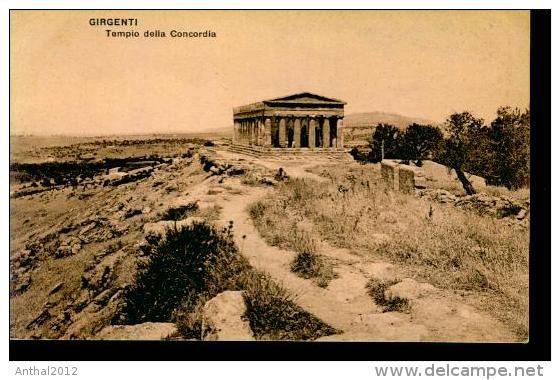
(188, 262)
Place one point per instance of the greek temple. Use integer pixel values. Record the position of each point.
(300, 123)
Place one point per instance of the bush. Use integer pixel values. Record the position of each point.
(189, 262)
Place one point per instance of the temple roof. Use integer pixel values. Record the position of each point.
(292, 104)
(305, 97)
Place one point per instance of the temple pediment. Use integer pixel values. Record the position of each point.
(305, 98)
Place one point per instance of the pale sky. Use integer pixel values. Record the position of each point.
(67, 77)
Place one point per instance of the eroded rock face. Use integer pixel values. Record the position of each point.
(224, 318)
(142, 331)
(408, 289)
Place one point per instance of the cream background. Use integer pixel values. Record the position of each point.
(68, 77)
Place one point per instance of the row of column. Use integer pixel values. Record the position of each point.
(256, 132)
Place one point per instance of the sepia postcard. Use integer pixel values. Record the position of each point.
(325, 176)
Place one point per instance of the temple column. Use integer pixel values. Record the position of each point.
(311, 131)
(267, 132)
(297, 133)
(339, 133)
(234, 137)
(326, 133)
(259, 132)
(252, 132)
(240, 132)
(255, 132)
(282, 132)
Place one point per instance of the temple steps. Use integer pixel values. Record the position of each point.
(291, 153)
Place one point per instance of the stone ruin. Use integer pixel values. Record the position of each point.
(397, 177)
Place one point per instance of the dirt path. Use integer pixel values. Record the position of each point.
(435, 315)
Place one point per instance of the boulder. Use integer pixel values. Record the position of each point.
(408, 289)
(224, 318)
(142, 331)
(406, 180)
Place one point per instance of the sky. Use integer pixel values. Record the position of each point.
(68, 77)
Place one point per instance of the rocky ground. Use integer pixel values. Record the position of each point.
(74, 251)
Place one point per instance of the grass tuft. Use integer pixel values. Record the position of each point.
(376, 290)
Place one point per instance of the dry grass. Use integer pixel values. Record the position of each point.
(308, 263)
(452, 249)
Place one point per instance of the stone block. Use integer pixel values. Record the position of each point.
(406, 180)
(388, 174)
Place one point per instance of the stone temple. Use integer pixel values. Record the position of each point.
(298, 124)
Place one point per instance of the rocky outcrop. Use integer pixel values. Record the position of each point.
(119, 178)
(484, 204)
(224, 318)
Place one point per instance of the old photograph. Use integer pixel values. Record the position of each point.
(325, 176)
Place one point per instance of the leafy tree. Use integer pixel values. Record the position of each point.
(465, 134)
(510, 134)
(420, 141)
(386, 142)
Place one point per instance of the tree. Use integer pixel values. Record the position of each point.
(465, 133)
(420, 141)
(510, 134)
(386, 142)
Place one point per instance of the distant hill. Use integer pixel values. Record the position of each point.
(358, 127)
(363, 119)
